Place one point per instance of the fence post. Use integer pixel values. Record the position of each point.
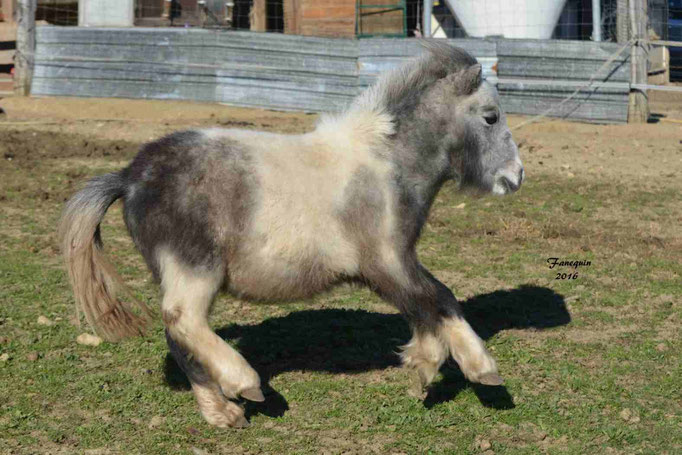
(427, 12)
(257, 16)
(622, 22)
(7, 10)
(638, 110)
(596, 20)
(26, 44)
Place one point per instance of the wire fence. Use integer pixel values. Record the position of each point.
(555, 19)
(512, 67)
(235, 14)
(58, 12)
(546, 19)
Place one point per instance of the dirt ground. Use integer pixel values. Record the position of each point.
(649, 152)
(592, 365)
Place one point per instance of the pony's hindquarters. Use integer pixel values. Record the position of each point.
(93, 278)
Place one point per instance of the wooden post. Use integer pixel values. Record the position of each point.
(8, 10)
(291, 17)
(26, 44)
(638, 110)
(622, 21)
(257, 16)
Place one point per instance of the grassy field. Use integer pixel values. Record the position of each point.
(592, 364)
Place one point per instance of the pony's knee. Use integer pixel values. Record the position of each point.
(171, 315)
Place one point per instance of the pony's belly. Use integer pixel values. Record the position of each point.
(280, 281)
(291, 258)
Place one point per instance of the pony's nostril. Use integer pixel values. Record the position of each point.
(509, 185)
(508, 180)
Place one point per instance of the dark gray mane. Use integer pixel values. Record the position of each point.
(398, 91)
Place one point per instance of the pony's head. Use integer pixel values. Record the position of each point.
(477, 137)
(448, 120)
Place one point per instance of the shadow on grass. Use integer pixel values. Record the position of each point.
(353, 341)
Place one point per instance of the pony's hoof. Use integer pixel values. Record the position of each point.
(491, 379)
(241, 422)
(417, 388)
(233, 416)
(223, 413)
(417, 392)
(253, 394)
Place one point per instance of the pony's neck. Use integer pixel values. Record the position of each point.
(411, 146)
(420, 172)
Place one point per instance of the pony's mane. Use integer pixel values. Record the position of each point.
(376, 113)
(399, 90)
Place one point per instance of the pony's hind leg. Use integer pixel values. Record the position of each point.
(214, 407)
(187, 296)
(423, 355)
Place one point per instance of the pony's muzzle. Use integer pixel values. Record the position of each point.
(509, 178)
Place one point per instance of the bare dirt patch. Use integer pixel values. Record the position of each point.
(650, 153)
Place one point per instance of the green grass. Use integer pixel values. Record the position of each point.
(575, 353)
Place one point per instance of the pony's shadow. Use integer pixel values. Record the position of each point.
(353, 341)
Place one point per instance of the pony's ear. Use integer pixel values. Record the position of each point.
(466, 81)
(471, 78)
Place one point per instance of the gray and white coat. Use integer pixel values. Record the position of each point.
(275, 217)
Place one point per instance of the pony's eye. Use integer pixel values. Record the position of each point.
(491, 118)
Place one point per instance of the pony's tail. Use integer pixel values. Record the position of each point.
(93, 278)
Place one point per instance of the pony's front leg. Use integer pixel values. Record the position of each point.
(464, 345)
(187, 296)
(438, 327)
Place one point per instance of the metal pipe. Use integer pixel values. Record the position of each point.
(596, 20)
(427, 12)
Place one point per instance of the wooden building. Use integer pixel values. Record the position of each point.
(328, 18)
(8, 32)
(345, 18)
(333, 18)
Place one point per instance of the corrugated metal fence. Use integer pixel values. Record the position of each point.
(312, 74)
(536, 75)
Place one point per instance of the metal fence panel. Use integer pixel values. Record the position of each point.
(568, 65)
(378, 55)
(306, 73)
